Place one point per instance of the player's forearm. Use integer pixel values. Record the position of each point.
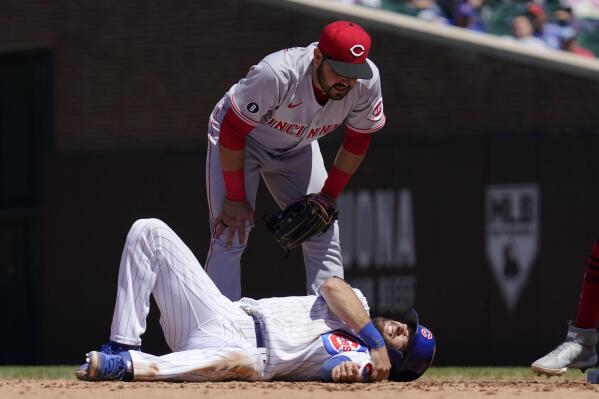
(346, 163)
(343, 168)
(344, 303)
(231, 159)
(231, 163)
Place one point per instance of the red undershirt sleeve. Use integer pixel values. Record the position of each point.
(356, 143)
(233, 131)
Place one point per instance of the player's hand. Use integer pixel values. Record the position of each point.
(347, 371)
(233, 218)
(381, 364)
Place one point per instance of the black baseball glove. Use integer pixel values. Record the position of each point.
(302, 220)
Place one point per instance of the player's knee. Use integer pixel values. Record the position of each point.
(331, 284)
(142, 226)
(237, 246)
(222, 239)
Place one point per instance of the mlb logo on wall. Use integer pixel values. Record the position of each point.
(512, 214)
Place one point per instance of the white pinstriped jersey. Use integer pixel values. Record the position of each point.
(294, 328)
(277, 98)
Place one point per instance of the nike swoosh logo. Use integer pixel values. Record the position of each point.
(293, 105)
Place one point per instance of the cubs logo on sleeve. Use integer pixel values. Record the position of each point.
(338, 341)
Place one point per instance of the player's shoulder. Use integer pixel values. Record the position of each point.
(375, 70)
(290, 62)
(373, 82)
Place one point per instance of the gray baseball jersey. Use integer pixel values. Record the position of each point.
(213, 338)
(277, 99)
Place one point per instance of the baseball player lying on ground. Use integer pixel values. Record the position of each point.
(318, 337)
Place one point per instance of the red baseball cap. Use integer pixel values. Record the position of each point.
(346, 46)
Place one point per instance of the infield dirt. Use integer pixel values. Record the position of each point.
(447, 389)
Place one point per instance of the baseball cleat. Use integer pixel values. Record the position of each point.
(81, 372)
(577, 351)
(109, 348)
(104, 367)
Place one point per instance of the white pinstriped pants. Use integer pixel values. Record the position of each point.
(212, 338)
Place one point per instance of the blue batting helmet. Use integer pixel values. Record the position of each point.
(420, 353)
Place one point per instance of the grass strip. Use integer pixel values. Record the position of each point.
(38, 372)
(462, 373)
(491, 373)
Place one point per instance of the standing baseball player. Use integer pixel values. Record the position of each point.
(268, 125)
(578, 349)
(328, 336)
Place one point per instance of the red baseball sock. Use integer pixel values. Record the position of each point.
(588, 305)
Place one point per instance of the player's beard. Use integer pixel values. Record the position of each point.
(379, 324)
(329, 89)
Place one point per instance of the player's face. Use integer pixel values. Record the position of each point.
(395, 334)
(336, 86)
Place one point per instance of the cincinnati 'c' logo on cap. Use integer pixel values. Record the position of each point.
(357, 50)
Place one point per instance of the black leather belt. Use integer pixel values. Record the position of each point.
(259, 331)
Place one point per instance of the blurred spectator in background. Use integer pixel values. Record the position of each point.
(522, 32)
(535, 23)
(561, 20)
(468, 14)
(367, 3)
(427, 10)
(537, 17)
(569, 43)
(587, 9)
